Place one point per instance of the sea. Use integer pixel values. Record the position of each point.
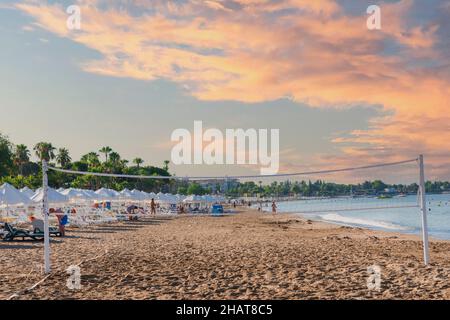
(396, 214)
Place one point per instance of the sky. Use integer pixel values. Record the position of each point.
(340, 94)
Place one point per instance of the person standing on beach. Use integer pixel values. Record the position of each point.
(274, 207)
(62, 220)
(153, 207)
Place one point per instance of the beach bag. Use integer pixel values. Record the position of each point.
(64, 220)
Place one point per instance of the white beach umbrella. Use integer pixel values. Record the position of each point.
(126, 194)
(193, 198)
(189, 198)
(180, 197)
(145, 195)
(76, 194)
(210, 199)
(102, 193)
(170, 198)
(161, 197)
(114, 192)
(52, 195)
(90, 195)
(27, 192)
(105, 193)
(220, 199)
(10, 196)
(138, 195)
(70, 192)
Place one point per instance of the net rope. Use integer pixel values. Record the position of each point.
(200, 178)
(310, 205)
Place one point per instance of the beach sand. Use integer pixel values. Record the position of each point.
(245, 256)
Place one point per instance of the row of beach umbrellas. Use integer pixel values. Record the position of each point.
(10, 196)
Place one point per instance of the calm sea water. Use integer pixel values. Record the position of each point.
(381, 215)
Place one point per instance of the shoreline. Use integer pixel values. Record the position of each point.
(247, 255)
(383, 233)
(409, 236)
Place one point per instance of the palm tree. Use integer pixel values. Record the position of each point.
(91, 159)
(114, 157)
(44, 151)
(63, 157)
(138, 162)
(6, 163)
(106, 151)
(166, 165)
(21, 156)
(124, 162)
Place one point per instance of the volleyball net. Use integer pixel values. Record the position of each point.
(325, 194)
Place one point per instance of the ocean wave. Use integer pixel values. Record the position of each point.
(334, 217)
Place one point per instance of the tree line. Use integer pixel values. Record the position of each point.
(321, 188)
(17, 169)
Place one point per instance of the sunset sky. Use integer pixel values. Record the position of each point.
(341, 94)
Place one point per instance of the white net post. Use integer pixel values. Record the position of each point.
(45, 213)
(423, 207)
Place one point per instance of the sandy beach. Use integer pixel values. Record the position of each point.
(244, 256)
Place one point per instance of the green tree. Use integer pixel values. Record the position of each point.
(166, 165)
(138, 162)
(114, 158)
(44, 151)
(378, 185)
(21, 157)
(6, 162)
(296, 188)
(63, 158)
(80, 166)
(91, 159)
(195, 188)
(106, 151)
(182, 190)
(124, 163)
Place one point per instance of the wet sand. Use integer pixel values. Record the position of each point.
(244, 256)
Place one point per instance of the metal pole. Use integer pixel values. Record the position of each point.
(45, 214)
(423, 207)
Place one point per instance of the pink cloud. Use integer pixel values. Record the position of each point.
(314, 52)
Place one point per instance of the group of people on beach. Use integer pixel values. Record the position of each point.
(274, 207)
(153, 206)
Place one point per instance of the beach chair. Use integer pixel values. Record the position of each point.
(78, 222)
(173, 209)
(38, 228)
(12, 233)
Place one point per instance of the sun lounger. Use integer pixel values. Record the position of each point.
(13, 233)
(38, 228)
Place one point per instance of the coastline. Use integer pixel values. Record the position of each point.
(395, 217)
(248, 255)
(376, 230)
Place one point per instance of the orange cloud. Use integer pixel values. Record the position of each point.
(260, 50)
